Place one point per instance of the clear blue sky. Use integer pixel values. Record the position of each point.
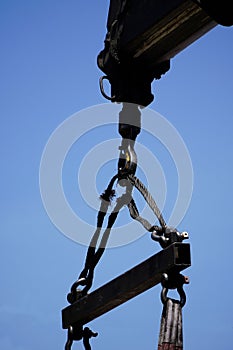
(48, 72)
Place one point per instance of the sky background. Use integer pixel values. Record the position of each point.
(48, 72)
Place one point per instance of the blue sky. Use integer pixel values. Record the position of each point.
(49, 73)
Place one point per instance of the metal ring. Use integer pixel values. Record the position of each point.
(73, 295)
(105, 77)
(80, 282)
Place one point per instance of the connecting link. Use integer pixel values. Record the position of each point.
(76, 332)
(129, 121)
(174, 281)
(75, 293)
(168, 236)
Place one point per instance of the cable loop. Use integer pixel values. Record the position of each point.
(148, 198)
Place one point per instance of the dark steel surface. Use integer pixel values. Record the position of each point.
(147, 274)
(171, 331)
(163, 31)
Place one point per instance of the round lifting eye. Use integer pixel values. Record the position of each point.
(101, 84)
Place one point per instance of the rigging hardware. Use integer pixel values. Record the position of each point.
(129, 128)
(167, 238)
(141, 39)
(76, 332)
(147, 274)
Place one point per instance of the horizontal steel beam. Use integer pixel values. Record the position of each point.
(147, 274)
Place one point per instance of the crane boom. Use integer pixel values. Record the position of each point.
(143, 36)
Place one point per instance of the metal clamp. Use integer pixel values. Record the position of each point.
(168, 236)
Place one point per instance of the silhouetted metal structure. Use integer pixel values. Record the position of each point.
(142, 37)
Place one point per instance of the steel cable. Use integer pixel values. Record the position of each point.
(148, 198)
